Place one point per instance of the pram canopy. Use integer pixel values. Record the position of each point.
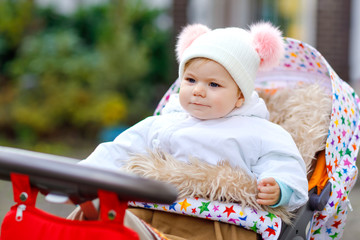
(302, 64)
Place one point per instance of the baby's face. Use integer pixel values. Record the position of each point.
(208, 91)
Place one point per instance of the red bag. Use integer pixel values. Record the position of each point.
(25, 221)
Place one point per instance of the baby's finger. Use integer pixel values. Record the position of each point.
(262, 195)
(267, 189)
(265, 202)
(268, 181)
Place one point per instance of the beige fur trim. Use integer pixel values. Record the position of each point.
(197, 179)
(220, 182)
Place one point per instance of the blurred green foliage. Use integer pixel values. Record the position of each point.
(76, 74)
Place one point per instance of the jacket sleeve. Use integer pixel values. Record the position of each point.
(280, 159)
(285, 194)
(110, 155)
(289, 170)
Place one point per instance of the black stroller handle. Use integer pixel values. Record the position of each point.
(62, 176)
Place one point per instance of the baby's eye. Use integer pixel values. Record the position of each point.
(190, 80)
(212, 84)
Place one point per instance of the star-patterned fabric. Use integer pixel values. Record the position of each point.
(302, 63)
(341, 151)
(264, 223)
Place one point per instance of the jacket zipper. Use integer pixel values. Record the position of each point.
(19, 212)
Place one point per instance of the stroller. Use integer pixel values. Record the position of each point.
(331, 176)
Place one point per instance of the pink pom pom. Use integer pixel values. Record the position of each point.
(268, 43)
(187, 36)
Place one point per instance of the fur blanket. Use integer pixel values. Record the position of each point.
(220, 182)
(304, 111)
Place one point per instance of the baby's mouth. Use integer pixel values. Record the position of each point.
(200, 104)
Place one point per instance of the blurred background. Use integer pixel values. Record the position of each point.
(74, 73)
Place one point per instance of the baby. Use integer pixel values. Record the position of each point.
(218, 116)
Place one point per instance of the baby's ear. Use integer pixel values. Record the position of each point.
(187, 36)
(240, 101)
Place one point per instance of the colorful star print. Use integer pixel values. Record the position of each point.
(336, 224)
(320, 217)
(270, 230)
(334, 236)
(244, 218)
(216, 208)
(271, 216)
(317, 231)
(229, 210)
(233, 220)
(204, 207)
(254, 227)
(339, 193)
(146, 205)
(172, 206)
(184, 204)
(259, 223)
(347, 163)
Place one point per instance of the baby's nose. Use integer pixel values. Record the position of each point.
(199, 90)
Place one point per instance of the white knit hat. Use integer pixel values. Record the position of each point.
(239, 51)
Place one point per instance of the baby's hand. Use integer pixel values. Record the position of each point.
(269, 192)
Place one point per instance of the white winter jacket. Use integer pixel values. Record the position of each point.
(244, 137)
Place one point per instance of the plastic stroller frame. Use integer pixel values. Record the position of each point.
(299, 229)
